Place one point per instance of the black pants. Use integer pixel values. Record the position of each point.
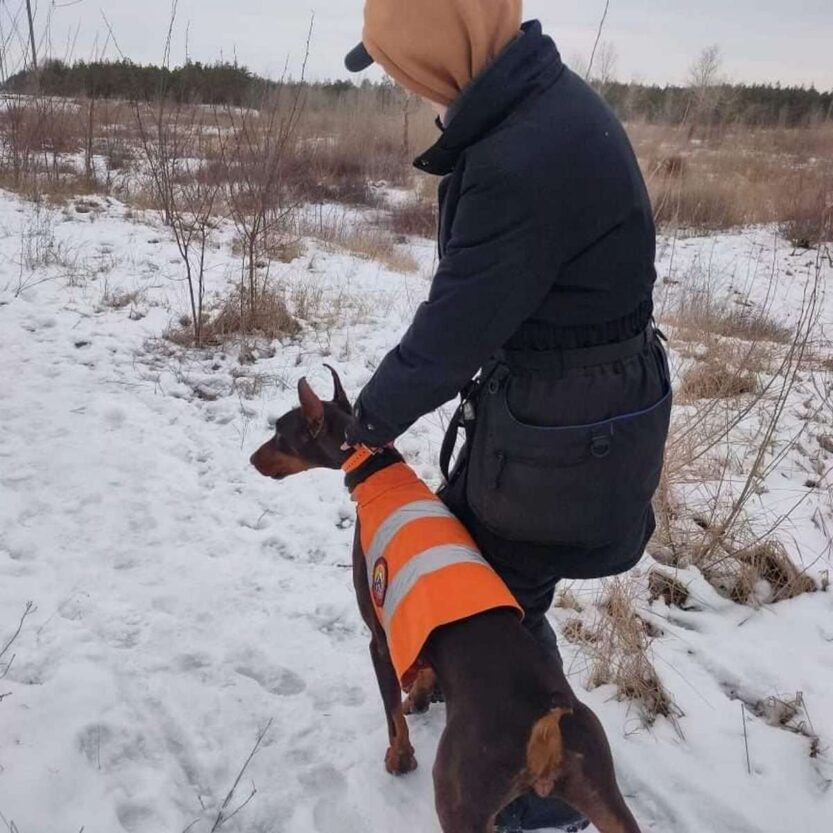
(532, 571)
(534, 589)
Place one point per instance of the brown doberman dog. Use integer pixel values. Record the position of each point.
(513, 723)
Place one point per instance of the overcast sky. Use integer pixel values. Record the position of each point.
(656, 40)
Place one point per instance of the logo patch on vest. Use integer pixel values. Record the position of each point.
(379, 583)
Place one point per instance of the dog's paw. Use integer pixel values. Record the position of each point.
(400, 761)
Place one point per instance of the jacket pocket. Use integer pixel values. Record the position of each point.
(585, 486)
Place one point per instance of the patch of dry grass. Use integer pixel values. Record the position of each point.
(713, 380)
(360, 238)
(698, 313)
(371, 244)
(414, 218)
(114, 299)
(740, 176)
(665, 586)
(232, 317)
(768, 562)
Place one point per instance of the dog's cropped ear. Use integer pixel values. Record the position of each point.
(340, 397)
(311, 407)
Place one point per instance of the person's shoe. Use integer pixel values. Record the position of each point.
(516, 828)
(529, 812)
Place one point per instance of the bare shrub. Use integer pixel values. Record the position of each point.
(173, 140)
(38, 133)
(233, 317)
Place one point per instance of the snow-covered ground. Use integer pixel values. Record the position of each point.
(183, 605)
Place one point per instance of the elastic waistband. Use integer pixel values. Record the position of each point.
(562, 360)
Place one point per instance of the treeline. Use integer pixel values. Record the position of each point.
(193, 83)
(756, 105)
(761, 105)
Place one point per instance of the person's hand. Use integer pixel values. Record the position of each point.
(364, 430)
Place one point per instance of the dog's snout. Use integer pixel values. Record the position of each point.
(258, 460)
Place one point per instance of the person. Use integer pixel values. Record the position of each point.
(543, 292)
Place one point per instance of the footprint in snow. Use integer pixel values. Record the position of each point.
(331, 813)
(276, 680)
(91, 740)
(137, 818)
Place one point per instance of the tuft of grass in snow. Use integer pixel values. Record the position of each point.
(768, 562)
(713, 380)
(665, 586)
(115, 299)
(618, 644)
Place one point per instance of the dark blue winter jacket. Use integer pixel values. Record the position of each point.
(546, 236)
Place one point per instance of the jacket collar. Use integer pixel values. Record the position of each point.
(529, 64)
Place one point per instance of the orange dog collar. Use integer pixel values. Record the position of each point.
(361, 454)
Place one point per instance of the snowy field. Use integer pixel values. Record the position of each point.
(183, 605)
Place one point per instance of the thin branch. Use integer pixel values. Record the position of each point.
(598, 38)
(221, 817)
(112, 35)
(27, 610)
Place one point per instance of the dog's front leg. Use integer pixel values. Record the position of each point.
(399, 758)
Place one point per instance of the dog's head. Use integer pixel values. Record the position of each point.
(308, 437)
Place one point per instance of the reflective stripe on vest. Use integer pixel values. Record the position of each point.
(429, 561)
(400, 518)
(423, 567)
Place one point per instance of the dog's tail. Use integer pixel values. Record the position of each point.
(545, 751)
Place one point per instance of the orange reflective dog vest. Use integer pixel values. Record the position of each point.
(424, 569)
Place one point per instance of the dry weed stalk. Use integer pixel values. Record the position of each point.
(5, 665)
(618, 644)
